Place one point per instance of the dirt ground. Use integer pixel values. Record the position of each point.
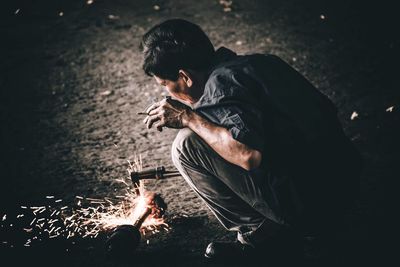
(71, 85)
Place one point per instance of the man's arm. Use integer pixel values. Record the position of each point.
(173, 114)
(222, 142)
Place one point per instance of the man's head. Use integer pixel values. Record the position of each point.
(175, 53)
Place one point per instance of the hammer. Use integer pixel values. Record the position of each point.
(126, 238)
(153, 173)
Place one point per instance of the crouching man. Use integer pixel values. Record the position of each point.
(258, 143)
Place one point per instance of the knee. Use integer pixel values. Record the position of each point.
(183, 144)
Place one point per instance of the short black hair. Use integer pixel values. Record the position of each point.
(173, 45)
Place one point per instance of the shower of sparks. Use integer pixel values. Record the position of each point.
(88, 217)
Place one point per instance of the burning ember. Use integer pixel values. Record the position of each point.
(90, 216)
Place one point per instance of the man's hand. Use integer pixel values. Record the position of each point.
(167, 113)
(174, 114)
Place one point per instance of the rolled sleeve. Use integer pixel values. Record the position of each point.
(244, 129)
(233, 105)
(242, 120)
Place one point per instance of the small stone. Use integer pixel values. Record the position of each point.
(156, 7)
(113, 17)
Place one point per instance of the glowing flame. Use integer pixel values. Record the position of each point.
(88, 217)
(90, 221)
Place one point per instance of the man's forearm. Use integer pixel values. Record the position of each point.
(222, 142)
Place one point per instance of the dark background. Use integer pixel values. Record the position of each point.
(71, 85)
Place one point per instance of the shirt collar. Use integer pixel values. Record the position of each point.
(223, 54)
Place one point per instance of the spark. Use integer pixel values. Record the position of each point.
(53, 221)
(89, 2)
(93, 216)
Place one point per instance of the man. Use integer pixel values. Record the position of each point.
(258, 143)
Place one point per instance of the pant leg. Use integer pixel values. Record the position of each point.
(237, 197)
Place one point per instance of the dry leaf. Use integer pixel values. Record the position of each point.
(354, 115)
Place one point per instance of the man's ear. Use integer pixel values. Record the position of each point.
(186, 77)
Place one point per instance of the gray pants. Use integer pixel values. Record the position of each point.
(238, 198)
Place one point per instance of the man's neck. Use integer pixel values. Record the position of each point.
(200, 82)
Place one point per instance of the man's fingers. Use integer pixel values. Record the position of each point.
(153, 106)
(155, 111)
(151, 120)
(159, 125)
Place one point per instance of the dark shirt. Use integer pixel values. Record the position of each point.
(268, 106)
(265, 103)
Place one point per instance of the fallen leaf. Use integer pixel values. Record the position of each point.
(106, 93)
(354, 115)
(390, 109)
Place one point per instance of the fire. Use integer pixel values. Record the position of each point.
(88, 217)
(108, 215)
(91, 221)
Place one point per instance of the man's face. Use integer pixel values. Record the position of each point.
(178, 89)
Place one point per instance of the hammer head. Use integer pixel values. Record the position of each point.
(123, 241)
